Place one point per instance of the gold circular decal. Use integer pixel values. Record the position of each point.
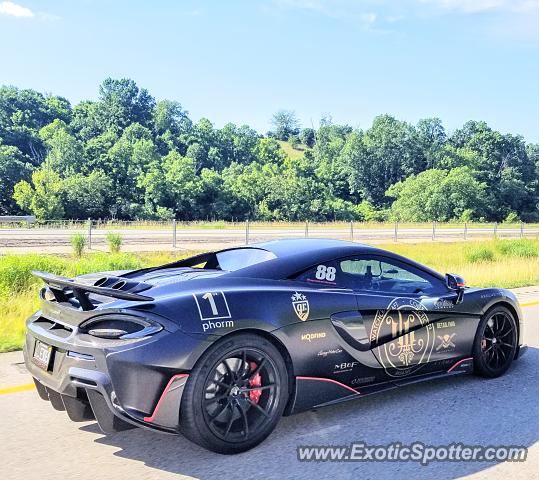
(405, 334)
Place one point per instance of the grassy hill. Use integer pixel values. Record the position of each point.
(293, 152)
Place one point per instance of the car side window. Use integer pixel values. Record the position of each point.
(372, 273)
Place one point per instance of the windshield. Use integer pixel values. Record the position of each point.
(231, 260)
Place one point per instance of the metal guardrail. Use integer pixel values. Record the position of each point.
(199, 235)
(17, 219)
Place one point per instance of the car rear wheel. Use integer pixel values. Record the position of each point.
(495, 342)
(235, 395)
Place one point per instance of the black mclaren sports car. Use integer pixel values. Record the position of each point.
(220, 345)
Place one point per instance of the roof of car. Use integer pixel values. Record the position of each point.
(296, 255)
(294, 246)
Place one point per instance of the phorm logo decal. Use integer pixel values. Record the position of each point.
(301, 306)
(412, 336)
(211, 325)
(213, 310)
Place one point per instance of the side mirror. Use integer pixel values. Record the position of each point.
(456, 283)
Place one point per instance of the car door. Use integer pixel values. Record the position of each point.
(405, 316)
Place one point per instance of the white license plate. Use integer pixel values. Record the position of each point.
(42, 355)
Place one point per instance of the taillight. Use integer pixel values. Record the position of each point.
(121, 327)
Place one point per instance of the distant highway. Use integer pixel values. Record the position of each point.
(145, 239)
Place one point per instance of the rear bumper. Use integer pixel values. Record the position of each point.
(94, 400)
(120, 385)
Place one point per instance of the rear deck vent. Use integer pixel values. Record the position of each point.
(58, 329)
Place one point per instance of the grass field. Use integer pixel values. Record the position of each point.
(292, 152)
(501, 263)
(19, 288)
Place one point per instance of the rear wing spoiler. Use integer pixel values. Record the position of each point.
(59, 284)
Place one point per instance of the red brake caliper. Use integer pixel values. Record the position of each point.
(256, 381)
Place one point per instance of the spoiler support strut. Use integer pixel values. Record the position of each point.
(58, 284)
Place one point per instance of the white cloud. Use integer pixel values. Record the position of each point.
(477, 6)
(501, 18)
(352, 10)
(14, 10)
(369, 17)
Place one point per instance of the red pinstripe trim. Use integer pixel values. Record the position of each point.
(165, 391)
(458, 363)
(331, 381)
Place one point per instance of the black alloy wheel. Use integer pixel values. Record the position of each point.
(235, 395)
(495, 343)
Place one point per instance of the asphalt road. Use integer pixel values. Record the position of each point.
(38, 442)
(58, 240)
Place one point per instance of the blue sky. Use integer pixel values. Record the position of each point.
(241, 61)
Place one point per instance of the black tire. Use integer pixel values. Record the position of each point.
(222, 409)
(495, 342)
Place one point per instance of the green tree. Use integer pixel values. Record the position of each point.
(431, 139)
(13, 169)
(502, 162)
(87, 120)
(439, 195)
(43, 197)
(170, 123)
(86, 196)
(284, 123)
(307, 136)
(293, 140)
(64, 152)
(23, 113)
(122, 103)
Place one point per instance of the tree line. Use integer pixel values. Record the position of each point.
(128, 156)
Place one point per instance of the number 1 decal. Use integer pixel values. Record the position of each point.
(212, 305)
(209, 296)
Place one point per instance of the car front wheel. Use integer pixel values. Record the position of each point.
(495, 342)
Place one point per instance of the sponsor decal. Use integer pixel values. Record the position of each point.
(345, 367)
(213, 310)
(301, 306)
(447, 324)
(443, 363)
(212, 305)
(308, 337)
(332, 351)
(405, 321)
(446, 342)
(362, 380)
(443, 304)
(494, 293)
(211, 325)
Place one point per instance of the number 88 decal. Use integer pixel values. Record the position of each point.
(325, 273)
